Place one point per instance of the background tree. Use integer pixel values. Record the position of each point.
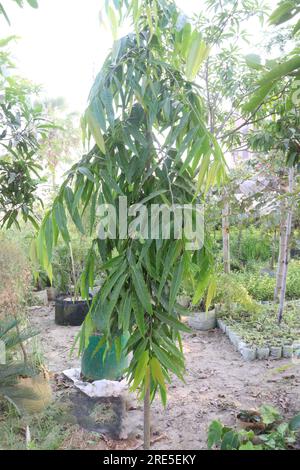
(278, 134)
(288, 65)
(225, 79)
(274, 107)
(21, 126)
(285, 69)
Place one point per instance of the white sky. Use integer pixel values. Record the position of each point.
(62, 44)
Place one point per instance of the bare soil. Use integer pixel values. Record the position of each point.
(219, 383)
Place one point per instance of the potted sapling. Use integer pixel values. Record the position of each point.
(71, 309)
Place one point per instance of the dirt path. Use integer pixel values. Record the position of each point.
(218, 383)
(55, 341)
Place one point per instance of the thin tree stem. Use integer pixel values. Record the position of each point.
(286, 248)
(147, 432)
(225, 232)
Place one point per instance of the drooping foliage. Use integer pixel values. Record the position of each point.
(148, 122)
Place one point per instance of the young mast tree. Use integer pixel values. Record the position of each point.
(148, 122)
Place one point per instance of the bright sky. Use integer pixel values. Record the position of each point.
(62, 45)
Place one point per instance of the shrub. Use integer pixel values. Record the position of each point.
(293, 280)
(230, 291)
(254, 245)
(261, 286)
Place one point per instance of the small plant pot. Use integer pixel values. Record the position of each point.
(52, 293)
(241, 346)
(248, 353)
(69, 312)
(234, 338)
(275, 352)
(96, 365)
(287, 351)
(296, 350)
(221, 325)
(262, 353)
(228, 330)
(203, 321)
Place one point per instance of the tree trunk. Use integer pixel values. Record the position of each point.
(147, 426)
(285, 247)
(282, 236)
(272, 261)
(225, 233)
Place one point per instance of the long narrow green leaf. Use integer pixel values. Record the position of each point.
(61, 220)
(176, 282)
(139, 315)
(141, 288)
(73, 211)
(95, 129)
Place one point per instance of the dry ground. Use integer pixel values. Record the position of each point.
(218, 384)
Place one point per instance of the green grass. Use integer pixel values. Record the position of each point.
(261, 286)
(48, 429)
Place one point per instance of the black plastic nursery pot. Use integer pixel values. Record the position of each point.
(70, 312)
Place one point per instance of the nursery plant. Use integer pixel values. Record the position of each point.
(264, 429)
(149, 124)
(261, 285)
(258, 326)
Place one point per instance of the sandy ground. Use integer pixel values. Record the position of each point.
(218, 384)
(56, 341)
